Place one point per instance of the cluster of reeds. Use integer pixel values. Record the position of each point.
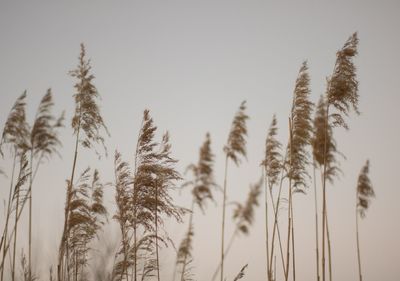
(143, 189)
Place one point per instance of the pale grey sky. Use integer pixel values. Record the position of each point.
(192, 63)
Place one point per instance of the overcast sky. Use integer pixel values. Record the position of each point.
(192, 63)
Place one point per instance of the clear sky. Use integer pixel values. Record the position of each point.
(192, 63)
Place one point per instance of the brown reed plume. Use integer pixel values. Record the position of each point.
(19, 198)
(44, 142)
(300, 130)
(16, 136)
(184, 255)
(123, 215)
(342, 97)
(202, 185)
(241, 273)
(234, 149)
(243, 216)
(365, 192)
(41, 141)
(319, 158)
(154, 177)
(88, 125)
(272, 167)
(87, 215)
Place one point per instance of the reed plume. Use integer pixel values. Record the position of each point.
(273, 159)
(342, 97)
(123, 199)
(365, 192)
(300, 130)
(87, 215)
(16, 136)
(342, 93)
(272, 166)
(320, 132)
(234, 149)
(202, 185)
(155, 176)
(87, 124)
(243, 216)
(184, 255)
(16, 129)
(241, 273)
(44, 142)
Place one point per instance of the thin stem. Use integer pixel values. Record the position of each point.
(358, 243)
(223, 221)
(135, 209)
(293, 256)
(64, 238)
(276, 225)
(232, 239)
(316, 222)
(329, 248)
(30, 220)
(156, 226)
(4, 238)
(16, 192)
(279, 234)
(288, 234)
(186, 252)
(324, 193)
(266, 224)
(290, 202)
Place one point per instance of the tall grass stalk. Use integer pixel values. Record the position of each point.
(235, 147)
(300, 130)
(342, 96)
(243, 216)
(364, 193)
(87, 124)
